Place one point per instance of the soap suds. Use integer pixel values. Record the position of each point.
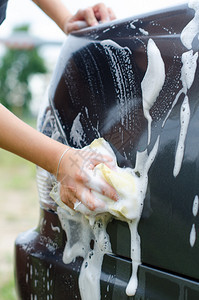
(184, 121)
(195, 206)
(189, 65)
(132, 24)
(193, 235)
(123, 75)
(77, 134)
(195, 210)
(144, 32)
(189, 68)
(152, 82)
(80, 232)
(55, 228)
(48, 125)
(89, 279)
(191, 30)
(82, 226)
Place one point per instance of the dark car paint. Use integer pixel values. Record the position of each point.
(83, 79)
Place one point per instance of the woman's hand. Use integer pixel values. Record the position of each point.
(90, 16)
(77, 178)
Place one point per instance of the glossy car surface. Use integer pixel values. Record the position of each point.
(98, 83)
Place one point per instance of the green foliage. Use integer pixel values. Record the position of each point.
(16, 67)
(18, 211)
(24, 27)
(7, 291)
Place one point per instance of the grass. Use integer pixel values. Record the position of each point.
(19, 211)
(7, 291)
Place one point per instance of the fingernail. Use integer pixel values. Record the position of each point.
(115, 197)
(99, 203)
(94, 23)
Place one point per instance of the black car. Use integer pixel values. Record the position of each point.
(133, 82)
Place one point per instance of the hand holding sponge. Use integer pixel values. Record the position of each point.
(123, 180)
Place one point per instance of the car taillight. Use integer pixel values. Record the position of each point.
(44, 184)
(48, 124)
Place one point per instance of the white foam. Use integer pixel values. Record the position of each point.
(135, 256)
(77, 134)
(119, 60)
(132, 24)
(184, 121)
(82, 226)
(189, 68)
(191, 30)
(55, 228)
(195, 208)
(192, 238)
(152, 82)
(144, 32)
(189, 65)
(89, 279)
(173, 104)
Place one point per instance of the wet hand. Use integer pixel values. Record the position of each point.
(77, 177)
(90, 16)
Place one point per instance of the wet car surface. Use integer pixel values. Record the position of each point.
(98, 90)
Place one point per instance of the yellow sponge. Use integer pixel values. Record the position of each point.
(123, 180)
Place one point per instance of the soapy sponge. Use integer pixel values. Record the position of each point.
(123, 180)
(124, 184)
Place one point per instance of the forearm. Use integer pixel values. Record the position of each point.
(23, 140)
(56, 10)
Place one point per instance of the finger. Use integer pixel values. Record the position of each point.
(88, 15)
(73, 26)
(112, 15)
(67, 196)
(86, 197)
(108, 191)
(94, 162)
(89, 154)
(98, 184)
(92, 158)
(81, 24)
(101, 12)
(96, 158)
(109, 162)
(101, 186)
(82, 195)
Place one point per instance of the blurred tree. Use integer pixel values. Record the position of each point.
(16, 67)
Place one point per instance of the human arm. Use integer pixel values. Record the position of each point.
(58, 12)
(23, 140)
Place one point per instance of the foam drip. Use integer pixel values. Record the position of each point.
(152, 82)
(83, 226)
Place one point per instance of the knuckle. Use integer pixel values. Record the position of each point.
(104, 191)
(90, 202)
(72, 189)
(88, 10)
(78, 175)
(91, 206)
(102, 5)
(80, 11)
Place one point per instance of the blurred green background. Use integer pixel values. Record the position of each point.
(19, 211)
(22, 73)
